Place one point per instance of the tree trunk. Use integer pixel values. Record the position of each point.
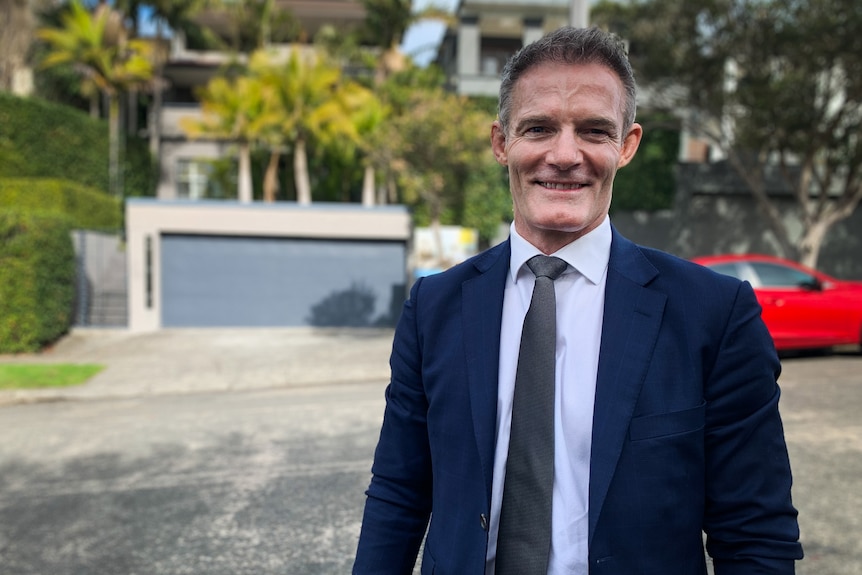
(368, 186)
(270, 179)
(114, 145)
(753, 176)
(810, 242)
(155, 116)
(244, 193)
(132, 112)
(300, 174)
(392, 190)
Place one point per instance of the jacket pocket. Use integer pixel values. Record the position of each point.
(664, 424)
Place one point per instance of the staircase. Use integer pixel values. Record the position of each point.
(101, 297)
(108, 309)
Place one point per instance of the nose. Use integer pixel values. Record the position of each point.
(565, 152)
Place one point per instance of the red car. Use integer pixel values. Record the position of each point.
(802, 308)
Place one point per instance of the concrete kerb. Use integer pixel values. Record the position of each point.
(210, 359)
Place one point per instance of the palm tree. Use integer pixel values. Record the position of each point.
(241, 109)
(97, 47)
(315, 104)
(369, 120)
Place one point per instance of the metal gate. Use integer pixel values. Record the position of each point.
(101, 285)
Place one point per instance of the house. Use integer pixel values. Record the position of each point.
(193, 261)
(488, 32)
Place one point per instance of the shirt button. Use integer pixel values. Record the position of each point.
(483, 521)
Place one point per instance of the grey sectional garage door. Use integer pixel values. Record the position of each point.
(253, 281)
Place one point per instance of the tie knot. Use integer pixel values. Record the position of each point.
(546, 266)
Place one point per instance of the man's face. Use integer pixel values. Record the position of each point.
(563, 146)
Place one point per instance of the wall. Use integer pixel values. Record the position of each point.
(713, 215)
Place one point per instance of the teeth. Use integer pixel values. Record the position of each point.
(555, 186)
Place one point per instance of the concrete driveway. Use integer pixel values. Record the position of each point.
(195, 360)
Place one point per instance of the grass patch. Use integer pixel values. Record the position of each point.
(34, 376)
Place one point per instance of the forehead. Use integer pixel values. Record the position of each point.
(556, 86)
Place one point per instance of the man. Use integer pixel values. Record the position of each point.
(664, 399)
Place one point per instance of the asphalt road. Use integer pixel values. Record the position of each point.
(253, 482)
(271, 481)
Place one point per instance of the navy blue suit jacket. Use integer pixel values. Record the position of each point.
(686, 432)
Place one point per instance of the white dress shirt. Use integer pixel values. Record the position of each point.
(580, 293)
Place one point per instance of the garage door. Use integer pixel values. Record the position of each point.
(251, 281)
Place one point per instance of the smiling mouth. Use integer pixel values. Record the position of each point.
(562, 186)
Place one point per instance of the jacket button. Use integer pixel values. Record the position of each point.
(483, 521)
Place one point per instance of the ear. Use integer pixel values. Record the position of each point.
(630, 145)
(498, 143)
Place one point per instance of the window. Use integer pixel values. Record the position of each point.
(206, 178)
(192, 178)
(495, 52)
(772, 275)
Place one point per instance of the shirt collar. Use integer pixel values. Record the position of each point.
(589, 254)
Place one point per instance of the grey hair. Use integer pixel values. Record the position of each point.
(571, 46)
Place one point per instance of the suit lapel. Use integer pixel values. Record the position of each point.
(632, 318)
(482, 305)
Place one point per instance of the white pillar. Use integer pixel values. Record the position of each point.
(532, 30)
(579, 13)
(469, 46)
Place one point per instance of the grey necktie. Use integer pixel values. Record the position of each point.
(524, 539)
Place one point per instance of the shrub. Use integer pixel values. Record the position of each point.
(37, 279)
(47, 140)
(86, 207)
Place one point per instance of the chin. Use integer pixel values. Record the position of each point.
(564, 224)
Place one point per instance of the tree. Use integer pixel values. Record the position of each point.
(255, 24)
(241, 109)
(775, 85)
(439, 141)
(97, 46)
(314, 103)
(648, 182)
(181, 17)
(369, 121)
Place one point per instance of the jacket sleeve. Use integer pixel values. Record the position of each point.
(750, 522)
(398, 503)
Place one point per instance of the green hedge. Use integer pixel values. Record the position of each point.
(37, 280)
(86, 207)
(47, 140)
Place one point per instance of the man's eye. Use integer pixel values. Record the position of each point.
(596, 135)
(536, 130)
